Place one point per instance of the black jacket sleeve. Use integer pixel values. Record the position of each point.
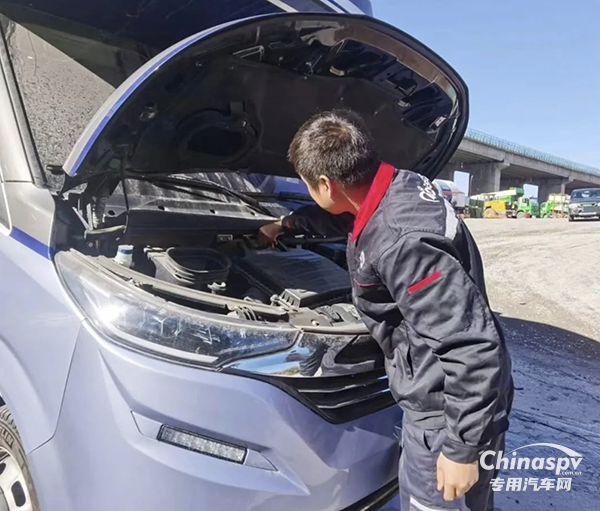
(444, 307)
(314, 220)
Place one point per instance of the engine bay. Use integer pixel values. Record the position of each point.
(193, 242)
(301, 281)
(312, 289)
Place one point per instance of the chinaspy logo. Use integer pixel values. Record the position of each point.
(548, 466)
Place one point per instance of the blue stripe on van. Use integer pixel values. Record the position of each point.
(32, 243)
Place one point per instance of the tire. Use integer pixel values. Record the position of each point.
(520, 215)
(15, 478)
(571, 218)
(489, 213)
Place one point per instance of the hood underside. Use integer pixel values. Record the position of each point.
(233, 97)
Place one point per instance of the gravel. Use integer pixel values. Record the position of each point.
(543, 270)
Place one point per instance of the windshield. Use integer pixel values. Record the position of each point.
(63, 80)
(586, 194)
(67, 63)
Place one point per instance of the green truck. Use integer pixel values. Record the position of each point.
(511, 203)
(557, 206)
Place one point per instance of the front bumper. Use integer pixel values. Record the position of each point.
(105, 454)
(585, 212)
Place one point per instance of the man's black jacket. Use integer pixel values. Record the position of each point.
(418, 284)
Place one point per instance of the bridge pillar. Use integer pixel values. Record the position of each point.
(485, 177)
(548, 186)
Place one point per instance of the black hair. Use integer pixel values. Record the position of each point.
(336, 144)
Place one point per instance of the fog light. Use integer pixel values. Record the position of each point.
(202, 444)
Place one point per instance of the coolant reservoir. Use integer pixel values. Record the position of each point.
(124, 255)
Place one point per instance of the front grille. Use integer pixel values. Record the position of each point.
(591, 208)
(341, 398)
(378, 499)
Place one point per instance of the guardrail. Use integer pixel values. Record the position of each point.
(511, 147)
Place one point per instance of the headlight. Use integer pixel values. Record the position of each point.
(138, 319)
(573, 206)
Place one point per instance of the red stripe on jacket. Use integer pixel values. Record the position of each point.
(425, 282)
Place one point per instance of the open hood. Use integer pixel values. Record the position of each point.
(232, 98)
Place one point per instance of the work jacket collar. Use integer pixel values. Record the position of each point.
(378, 189)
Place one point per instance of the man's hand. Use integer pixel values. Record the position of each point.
(268, 234)
(455, 479)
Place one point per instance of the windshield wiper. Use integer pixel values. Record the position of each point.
(200, 184)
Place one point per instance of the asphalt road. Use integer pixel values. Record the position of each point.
(543, 279)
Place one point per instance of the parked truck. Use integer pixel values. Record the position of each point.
(557, 206)
(453, 194)
(511, 203)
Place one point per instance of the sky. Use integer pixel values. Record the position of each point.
(532, 66)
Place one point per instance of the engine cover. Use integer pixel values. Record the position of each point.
(301, 278)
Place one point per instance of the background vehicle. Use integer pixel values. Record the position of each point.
(452, 193)
(557, 206)
(151, 355)
(511, 203)
(584, 203)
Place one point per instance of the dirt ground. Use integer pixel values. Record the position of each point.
(543, 279)
(543, 270)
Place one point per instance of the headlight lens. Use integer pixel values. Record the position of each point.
(136, 318)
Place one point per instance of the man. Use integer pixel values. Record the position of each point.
(418, 284)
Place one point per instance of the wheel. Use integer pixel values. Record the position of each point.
(16, 486)
(571, 218)
(520, 215)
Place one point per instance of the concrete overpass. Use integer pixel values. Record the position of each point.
(495, 164)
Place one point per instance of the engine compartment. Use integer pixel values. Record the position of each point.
(301, 281)
(295, 278)
(312, 289)
(198, 248)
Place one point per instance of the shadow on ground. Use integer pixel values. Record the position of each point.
(557, 400)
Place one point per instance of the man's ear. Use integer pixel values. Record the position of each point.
(328, 187)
